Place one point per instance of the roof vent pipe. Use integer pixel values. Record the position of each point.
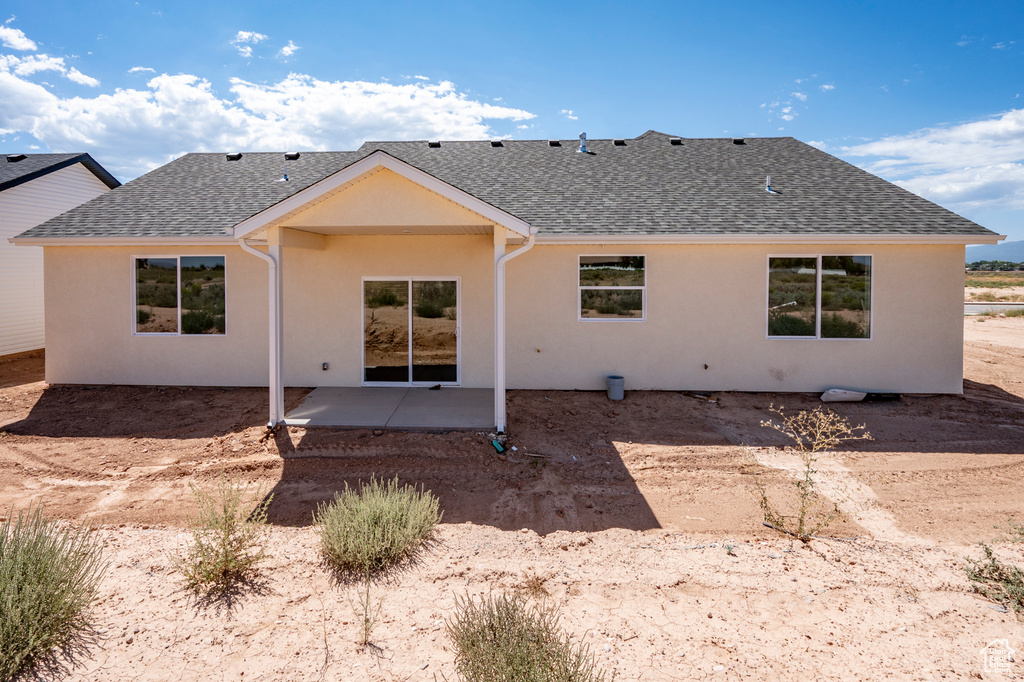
(768, 185)
(583, 144)
(291, 156)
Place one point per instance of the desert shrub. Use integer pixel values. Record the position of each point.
(838, 327)
(1014, 530)
(196, 322)
(381, 298)
(999, 582)
(49, 573)
(229, 537)
(142, 316)
(376, 526)
(369, 531)
(429, 309)
(503, 639)
(789, 325)
(1018, 312)
(812, 432)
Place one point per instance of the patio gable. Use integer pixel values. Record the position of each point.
(384, 202)
(380, 194)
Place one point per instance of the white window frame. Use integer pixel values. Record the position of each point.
(580, 288)
(177, 258)
(458, 329)
(817, 296)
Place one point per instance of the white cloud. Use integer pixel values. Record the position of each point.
(289, 49)
(134, 130)
(569, 114)
(14, 38)
(77, 76)
(26, 66)
(244, 40)
(140, 69)
(825, 87)
(818, 144)
(964, 166)
(421, 78)
(800, 96)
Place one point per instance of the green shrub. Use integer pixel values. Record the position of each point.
(429, 309)
(1016, 312)
(371, 529)
(196, 322)
(229, 535)
(142, 316)
(368, 532)
(503, 639)
(49, 573)
(835, 326)
(789, 325)
(384, 298)
(999, 582)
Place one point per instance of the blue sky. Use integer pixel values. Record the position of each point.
(924, 94)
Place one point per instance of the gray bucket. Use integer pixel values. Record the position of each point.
(616, 386)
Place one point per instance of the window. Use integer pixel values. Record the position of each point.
(179, 295)
(612, 287)
(823, 297)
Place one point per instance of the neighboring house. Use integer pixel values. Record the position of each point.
(669, 261)
(33, 189)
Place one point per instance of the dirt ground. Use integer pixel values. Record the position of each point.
(638, 513)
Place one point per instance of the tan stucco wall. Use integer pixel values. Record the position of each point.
(384, 199)
(707, 305)
(323, 301)
(89, 322)
(90, 319)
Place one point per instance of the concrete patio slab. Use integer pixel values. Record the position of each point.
(396, 408)
(370, 406)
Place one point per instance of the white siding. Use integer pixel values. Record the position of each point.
(21, 267)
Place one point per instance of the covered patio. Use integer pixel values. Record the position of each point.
(399, 217)
(400, 407)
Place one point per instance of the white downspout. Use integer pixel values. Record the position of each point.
(499, 327)
(273, 257)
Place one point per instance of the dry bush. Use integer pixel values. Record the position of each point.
(999, 582)
(813, 432)
(49, 573)
(368, 532)
(229, 537)
(503, 639)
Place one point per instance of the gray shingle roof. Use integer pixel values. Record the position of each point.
(13, 173)
(648, 187)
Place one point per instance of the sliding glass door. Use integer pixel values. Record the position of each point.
(411, 331)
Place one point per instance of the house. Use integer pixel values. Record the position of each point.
(33, 189)
(536, 264)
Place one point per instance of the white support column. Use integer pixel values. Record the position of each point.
(500, 258)
(275, 322)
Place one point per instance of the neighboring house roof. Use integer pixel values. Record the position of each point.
(641, 187)
(16, 169)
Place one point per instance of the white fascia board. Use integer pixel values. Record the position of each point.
(379, 159)
(772, 239)
(123, 241)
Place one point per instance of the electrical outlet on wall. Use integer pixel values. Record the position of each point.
(325, 366)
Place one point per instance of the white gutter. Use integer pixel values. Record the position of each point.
(771, 239)
(273, 257)
(500, 417)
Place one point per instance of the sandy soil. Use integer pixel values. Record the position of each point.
(998, 293)
(628, 508)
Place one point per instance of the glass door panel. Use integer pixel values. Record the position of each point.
(435, 345)
(386, 331)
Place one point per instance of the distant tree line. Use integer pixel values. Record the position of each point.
(995, 266)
